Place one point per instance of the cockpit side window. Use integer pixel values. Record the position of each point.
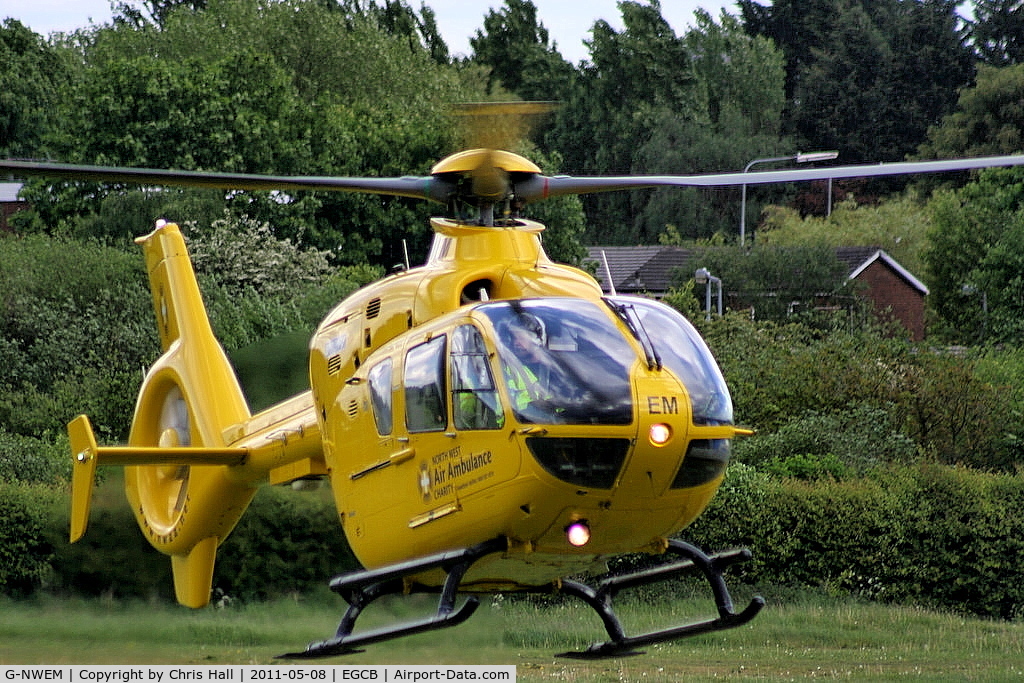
(425, 409)
(475, 403)
(379, 379)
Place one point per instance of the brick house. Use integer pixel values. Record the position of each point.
(651, 270)
(10, 204)
(887, 284)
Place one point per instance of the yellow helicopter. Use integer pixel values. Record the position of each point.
(489, 422)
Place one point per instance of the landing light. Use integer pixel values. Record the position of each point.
(578, 534)
(660, 434)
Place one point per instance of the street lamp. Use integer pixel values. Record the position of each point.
(799, 157)
(704, 277)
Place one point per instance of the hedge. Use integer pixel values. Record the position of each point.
(287, 542)
(25, 547)
(927, 534)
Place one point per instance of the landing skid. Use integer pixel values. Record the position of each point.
(619, 644)
(362, 588)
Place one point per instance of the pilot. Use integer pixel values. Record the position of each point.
(528, 373)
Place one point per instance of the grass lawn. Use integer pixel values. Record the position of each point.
(793, 638)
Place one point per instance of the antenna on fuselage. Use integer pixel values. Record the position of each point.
(608, 273)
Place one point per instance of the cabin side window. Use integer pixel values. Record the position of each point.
(425, 387)
(379, 379)
(475, 403)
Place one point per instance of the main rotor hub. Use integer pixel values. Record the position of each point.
(484, 181)
(472, 160)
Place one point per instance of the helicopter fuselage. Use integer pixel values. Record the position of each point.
(436, 434)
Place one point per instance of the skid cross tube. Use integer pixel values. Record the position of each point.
(362, 588)
(712, 566)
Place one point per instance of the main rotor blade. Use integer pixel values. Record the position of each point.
(532, 188)
(540, 187)
(424, 187)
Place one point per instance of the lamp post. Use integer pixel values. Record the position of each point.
(799, 157)
(704, 277)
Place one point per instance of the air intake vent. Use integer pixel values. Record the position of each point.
(594, 463)
(373, 309)
(353, 409)
(706, 460)
(334, 364)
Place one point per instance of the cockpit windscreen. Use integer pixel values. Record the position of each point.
(563, 361)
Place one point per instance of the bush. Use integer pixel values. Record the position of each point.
(25, 548)
(113, 559)
(843, 443)
(35, 461)
(776, 372)
(808, 466)
(76, 329)
(928, 534)
(954, 415)
(287, 542)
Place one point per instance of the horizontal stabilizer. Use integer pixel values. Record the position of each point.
(88, 455)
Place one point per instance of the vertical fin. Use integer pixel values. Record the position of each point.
(193, 573)
(83, 476)
(191, 351)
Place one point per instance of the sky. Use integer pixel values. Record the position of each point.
(568, 21)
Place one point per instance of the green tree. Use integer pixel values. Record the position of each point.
(988, 118)
(397, 18)
(634, 76)
(866, 78)
(900, 225)
(997, 32)
(775, 282)
(798, 28)
(139, 12)
(741, 76)
(739, 81)
(652, 102)
(841, 93)
(291, 87)
(31, 73)
(977, 275)
(76, 329)
(151, 112)
(517, 49)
